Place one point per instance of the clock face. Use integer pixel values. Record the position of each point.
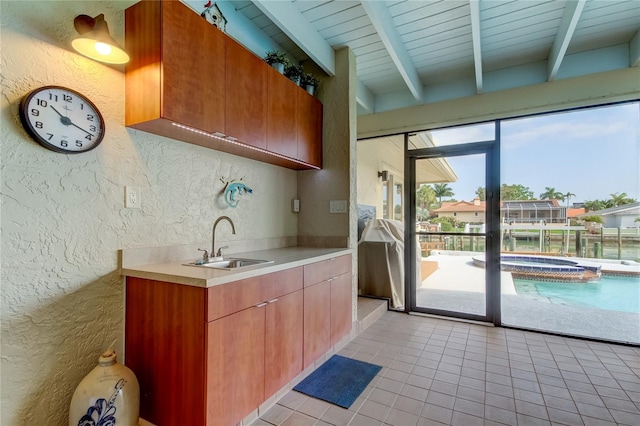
(62, 119)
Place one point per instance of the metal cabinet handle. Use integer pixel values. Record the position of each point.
(260, 305)
(272, 300)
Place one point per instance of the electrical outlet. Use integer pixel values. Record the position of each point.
(132, 197)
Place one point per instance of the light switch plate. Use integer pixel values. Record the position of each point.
(338, 206)
(295, 205)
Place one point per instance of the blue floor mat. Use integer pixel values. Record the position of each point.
(339, 381)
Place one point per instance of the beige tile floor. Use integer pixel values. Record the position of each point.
(437, 371)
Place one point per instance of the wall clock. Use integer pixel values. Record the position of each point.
(62, 119)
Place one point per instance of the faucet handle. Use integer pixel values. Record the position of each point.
(205, 255)
(219, 252)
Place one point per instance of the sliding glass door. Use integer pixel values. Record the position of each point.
(451, 219)
(530, 222)
(570, 222)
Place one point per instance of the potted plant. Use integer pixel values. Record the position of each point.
(309, 82)
(293, 72)
(277, 60)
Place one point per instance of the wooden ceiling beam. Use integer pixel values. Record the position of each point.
(570, 17)
(382, 21)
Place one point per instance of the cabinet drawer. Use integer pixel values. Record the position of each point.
(281, 283)
(233, 297)
(326, 269)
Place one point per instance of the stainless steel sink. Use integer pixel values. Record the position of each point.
(231, 263)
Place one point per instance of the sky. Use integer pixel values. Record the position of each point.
(591, 153)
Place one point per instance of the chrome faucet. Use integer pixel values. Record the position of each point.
(213, 235)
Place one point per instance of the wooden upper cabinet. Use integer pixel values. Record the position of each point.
(309, 120)
(246, 100)
(282, 105)
(185, 71)
(177, 66)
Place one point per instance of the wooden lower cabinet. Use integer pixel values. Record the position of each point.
(327, 316)
(251, 355)
(327, 305)
(211, 373)
(341, 305)
(283, 342)
(235, 366)
(317, 321)
(210, 356)
(165, 348)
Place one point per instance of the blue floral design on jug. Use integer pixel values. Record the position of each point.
(103, 412)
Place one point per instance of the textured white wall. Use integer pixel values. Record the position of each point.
(63, 217)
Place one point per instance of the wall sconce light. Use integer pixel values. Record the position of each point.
(95, 42)
(384, 175)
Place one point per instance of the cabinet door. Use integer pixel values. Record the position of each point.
(164, 347)
(283, 341)
(281, 113)
(235, 366)
(317, 321)
(193, 69)
(246, 95)
(340, 307)
(309, 129)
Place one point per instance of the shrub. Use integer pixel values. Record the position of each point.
(596, 219)
(452, 223)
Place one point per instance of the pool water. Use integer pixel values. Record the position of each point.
(620, 294)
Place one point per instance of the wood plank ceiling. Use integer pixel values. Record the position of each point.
(411, 52)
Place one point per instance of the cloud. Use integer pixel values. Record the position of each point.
(583, 126)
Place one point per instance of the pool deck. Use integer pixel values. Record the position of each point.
(458, 285)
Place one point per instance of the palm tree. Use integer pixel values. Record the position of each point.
(442, 190)
(425, 197)
(618, 199)
(568, 196)
(551, 194)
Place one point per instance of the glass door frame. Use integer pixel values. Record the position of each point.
(491, 149)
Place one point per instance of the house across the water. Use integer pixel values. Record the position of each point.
(512, 212)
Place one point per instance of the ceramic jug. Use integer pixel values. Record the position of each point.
(108, 396)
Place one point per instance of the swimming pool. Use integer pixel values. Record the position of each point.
(610, 293)
(547, 268)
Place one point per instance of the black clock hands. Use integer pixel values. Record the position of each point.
(75, 125)
(64, 120)
(67, 121)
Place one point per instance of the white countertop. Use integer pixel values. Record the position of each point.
(283, 258)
